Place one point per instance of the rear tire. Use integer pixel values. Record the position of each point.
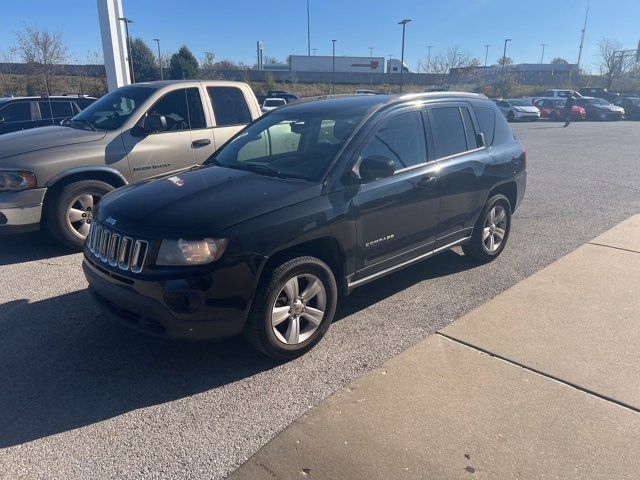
(294, 306)
(491, 231)
(70, 212)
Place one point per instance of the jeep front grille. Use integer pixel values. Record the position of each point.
(117, 250)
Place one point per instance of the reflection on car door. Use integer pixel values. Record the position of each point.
(230, 111)
(462, 167)
(187, 140)
(396, 216)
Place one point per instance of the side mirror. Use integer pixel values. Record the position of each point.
(376, 166)
(154, 123)
(480, 140)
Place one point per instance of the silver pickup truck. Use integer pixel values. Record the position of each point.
(54, 176)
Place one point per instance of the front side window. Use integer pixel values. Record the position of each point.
(181, 108)
(229, 106)
(448, 131)
(113, 110)
(401, 139)
(16, 112)
(294, 145)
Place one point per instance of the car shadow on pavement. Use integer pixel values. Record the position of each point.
(28, 247)
(64, 365)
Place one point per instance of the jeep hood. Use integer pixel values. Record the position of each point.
(206, 200)
(43, 138)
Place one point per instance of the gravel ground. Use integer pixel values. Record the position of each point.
(83, 397)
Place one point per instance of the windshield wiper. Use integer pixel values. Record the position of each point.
(82, 121)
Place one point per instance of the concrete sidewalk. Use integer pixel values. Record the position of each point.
(541, 382)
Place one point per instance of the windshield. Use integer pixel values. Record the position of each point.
(112, 110)
(519, 103)
(293, 145)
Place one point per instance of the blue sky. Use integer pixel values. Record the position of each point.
(231, 28)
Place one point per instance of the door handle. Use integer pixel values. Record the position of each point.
(426, 181)
(200, 143)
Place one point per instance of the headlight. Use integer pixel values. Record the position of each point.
(190, 252)
(17, 180)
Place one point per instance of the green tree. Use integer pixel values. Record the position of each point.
(145, 64)
(183, 64)
(559, 61)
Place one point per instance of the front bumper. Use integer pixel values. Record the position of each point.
(21, 211)
(526, 115)
(159, 308)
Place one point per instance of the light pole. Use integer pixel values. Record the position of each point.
(314, 51)
(504, 55)
(404, 25)
(127, 21)
(542, 56)
(157, 40)
(486, 54)
(333, 68)
(429, 58)
(308, 31)
(371, 51)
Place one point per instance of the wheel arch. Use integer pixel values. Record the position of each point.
(508, 189)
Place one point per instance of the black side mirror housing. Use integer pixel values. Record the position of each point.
(375, 167)
(480, 140)
(154, 123)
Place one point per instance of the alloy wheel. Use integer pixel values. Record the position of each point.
(80, 213)
(299, 309)
(495, 226)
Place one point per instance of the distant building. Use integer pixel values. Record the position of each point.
(526, 68)
(324, 63)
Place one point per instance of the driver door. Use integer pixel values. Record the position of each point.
(186, 141)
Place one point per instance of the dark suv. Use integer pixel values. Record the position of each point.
(307, 203)
(23, 113)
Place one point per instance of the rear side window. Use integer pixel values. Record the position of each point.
(16, 112)
(487, 120)
(401, 138)
(55, 109)
(449, 136)
(229, 106)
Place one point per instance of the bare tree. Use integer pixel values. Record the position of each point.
(453, 57)
(43, 51)
(612, 63)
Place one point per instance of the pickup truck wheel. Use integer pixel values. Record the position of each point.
(70, 214)
(294, 306)
(491, 231)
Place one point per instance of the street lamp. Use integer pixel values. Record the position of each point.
(404, 25)
(314, 51)
(542, 56)
(127, 21)
(333, 68)
(429, 47)
(504, 54)
(308, 31)
(157, 40)
(486, 53)
(371, 51)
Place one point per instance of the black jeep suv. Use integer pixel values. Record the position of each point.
(302, 206)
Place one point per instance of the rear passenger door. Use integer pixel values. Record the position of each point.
(462, 165)
(15, 116)
(230, 111)
(396, 217)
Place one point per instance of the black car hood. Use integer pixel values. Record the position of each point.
(34, 139)
(201, 201)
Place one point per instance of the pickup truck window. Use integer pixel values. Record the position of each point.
(288, 144)
(229, 106)
(182, 109)
(111, 111)
(401, 139)
(16, 112)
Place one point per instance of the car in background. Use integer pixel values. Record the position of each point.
(289, 97)
(364, 91)
(272, 103)
(600, 109)
(559, 93)
(553, 109)
(306, 204)
(631, 106)
(599, 92)
(23, 113)
(518, 109)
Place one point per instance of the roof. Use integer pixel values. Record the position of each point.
(163, 83)
(45, 97)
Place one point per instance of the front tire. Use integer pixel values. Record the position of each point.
(294, 306)
(491, 231)
(70, 213)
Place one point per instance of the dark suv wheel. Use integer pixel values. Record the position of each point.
(491, 230)
(293, 308)
(70, 213)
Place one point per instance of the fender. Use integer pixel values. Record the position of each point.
(76, 170)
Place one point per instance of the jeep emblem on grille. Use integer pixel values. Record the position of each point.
(111, 221)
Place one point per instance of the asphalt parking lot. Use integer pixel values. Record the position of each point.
(83, 397)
